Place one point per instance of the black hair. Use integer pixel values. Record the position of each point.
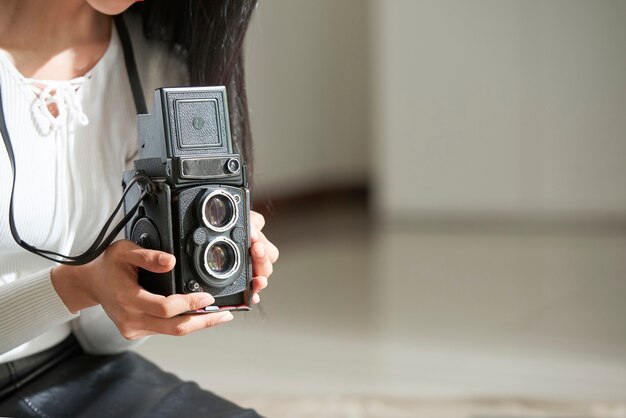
(209, 36)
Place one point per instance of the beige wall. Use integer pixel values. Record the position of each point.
(307, 73)
(513, 110)
(479, 108)
(512, 107)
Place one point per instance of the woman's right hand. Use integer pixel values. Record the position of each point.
(111, 281)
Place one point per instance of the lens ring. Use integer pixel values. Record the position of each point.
(221, 258)
(219, 211)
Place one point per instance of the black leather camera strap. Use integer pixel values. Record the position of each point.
(131, 65)
(103, 240)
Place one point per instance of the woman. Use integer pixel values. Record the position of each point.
(71, 117)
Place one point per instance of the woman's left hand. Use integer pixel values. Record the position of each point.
(264, 255)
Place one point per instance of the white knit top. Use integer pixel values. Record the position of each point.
(67, 183)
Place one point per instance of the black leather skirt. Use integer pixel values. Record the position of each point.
(64, 381)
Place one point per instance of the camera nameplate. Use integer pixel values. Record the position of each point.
(206, 168)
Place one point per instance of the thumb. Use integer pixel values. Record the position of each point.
(151, 260)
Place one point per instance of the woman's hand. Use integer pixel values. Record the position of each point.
(111, 281)
(264, 255)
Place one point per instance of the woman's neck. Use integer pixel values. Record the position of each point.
(53, 39)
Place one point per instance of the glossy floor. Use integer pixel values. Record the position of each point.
(414, 311)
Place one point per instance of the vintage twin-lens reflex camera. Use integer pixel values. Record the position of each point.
(198, 207)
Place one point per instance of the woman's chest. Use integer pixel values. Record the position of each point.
(68, 181)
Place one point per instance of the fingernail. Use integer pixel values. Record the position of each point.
(207, 301)
(165, 259)
(225, 317)
(254, 235)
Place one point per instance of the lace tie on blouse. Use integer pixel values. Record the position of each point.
(59, 96)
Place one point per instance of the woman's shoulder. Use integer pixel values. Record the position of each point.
(158, 64)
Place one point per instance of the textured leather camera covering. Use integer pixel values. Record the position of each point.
(187, 220)
(187, 109)
(197, 123)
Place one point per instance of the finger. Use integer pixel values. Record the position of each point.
(257, 220)
(258, 236)
(259, 283)
(151, 260)
(261, 265)
(271, 248)
(255, 235)
(170, 306)
(273, 252)
(256, 298)
(138, 335)
(186, 324)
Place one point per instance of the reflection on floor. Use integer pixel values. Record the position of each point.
(362, 320)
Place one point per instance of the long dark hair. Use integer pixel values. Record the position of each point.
(209, 35)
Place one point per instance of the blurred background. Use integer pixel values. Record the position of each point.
(445, 180)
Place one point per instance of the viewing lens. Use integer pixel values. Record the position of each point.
(218, 211)
(220, 257)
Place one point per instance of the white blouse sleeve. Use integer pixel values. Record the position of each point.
(29, 307)
(97, 334)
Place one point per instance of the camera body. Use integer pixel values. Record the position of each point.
(199, 205)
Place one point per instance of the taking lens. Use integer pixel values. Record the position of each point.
(218, 211)
(221, 258)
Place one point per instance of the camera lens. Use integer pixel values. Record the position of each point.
(221, 258)
(219, 211)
